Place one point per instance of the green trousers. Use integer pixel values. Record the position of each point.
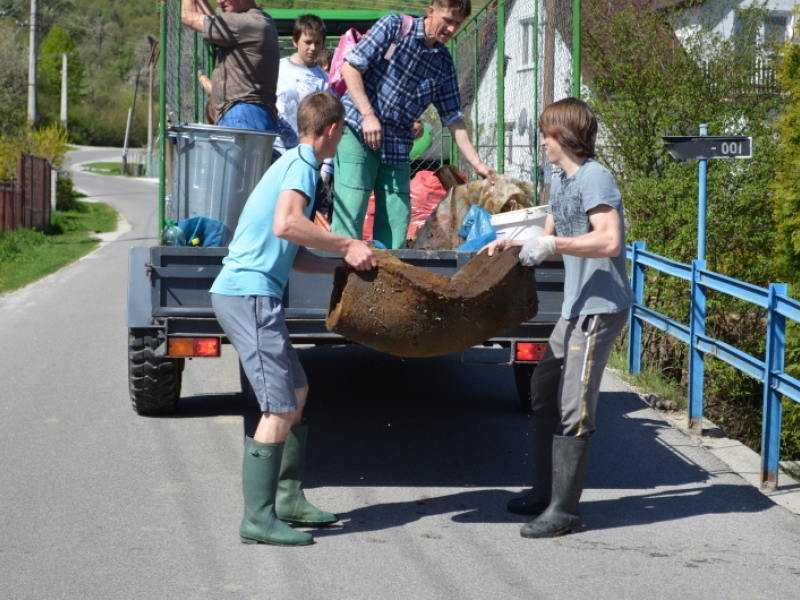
(357, 173)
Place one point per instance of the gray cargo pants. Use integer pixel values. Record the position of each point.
(566, 383)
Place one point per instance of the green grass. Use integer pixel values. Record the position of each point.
(27, 255)
(649, 381)
(104, 168)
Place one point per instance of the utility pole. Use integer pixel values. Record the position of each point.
(151, 63)
(128, 127)
(33, 116)
(64, 90)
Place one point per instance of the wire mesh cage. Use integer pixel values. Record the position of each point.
(186, 55)
(513, 59)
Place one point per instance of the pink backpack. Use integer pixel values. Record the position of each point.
(348, 41)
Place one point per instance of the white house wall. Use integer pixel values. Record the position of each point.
(721, 14)
(522, 102)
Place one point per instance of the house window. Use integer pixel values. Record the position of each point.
(753, 27)
(775, 28)
(527, 52)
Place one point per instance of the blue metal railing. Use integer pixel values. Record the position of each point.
(769, 371)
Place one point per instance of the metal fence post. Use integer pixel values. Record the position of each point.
(501, 97)
(773, 365)
(697, 326)
(701, 205)
(634, 324)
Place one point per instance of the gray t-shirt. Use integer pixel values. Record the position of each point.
(592, 285)
(246, 67)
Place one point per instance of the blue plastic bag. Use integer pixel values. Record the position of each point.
(209, 231)
(476, 228)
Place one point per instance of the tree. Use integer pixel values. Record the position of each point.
(786, 207)
(57, 42)
(645, 85)
(13, 81)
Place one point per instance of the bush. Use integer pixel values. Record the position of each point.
(66, 196)
(645, 86)
(48, 142)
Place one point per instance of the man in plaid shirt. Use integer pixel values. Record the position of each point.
(391, 79)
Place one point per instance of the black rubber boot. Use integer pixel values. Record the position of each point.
(260, 485)
(538, 497)
(291, 504)
(570, 462)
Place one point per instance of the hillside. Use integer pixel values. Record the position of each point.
(108, 46)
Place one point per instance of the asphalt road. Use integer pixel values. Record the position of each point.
(418, 457)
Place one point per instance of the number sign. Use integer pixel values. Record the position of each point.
(709, 146)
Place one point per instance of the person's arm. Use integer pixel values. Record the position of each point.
(604, 241)
(371, 127)
(461, 136)
(290, 223)
(194, 12)
(205, 82)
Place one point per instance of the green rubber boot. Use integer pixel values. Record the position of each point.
(570, 462)
(538, 497)
(260, 484)
(291, 504)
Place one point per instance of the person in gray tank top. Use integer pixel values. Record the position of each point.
(587, 227)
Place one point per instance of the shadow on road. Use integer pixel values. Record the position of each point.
(380, 421)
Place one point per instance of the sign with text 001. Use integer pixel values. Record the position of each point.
(709, 146)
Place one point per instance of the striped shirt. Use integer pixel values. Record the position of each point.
(401, 87)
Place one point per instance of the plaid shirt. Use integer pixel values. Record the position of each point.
(402, 87)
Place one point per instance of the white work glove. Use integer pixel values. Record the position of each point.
(536, 249)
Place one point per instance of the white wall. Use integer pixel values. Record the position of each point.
(722, 14)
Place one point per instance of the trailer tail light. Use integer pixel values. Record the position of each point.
(529, 351)
(193, 347)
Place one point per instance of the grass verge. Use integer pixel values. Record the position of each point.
(27, 255)
(104, 168)
(649, 381)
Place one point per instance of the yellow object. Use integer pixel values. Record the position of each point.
(195, 241)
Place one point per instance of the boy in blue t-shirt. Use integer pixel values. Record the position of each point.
(270, 240)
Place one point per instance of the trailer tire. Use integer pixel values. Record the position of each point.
(522, 379)
(154, 382)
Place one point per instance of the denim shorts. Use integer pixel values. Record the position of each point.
(248, 116)
(256, 327)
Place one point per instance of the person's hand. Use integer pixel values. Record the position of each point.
(486, 172)
(536, 249)
(498, 245)
(360, 256)
(417, 129)
(372, 131)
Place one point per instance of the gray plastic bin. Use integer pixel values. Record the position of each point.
(214, 170)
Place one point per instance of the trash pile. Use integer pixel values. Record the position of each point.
(441, 229)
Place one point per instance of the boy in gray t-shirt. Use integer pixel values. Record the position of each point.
(586, 227)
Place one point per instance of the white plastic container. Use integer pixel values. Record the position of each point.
(520, 224)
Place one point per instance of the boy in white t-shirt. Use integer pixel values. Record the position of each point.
(298, 76)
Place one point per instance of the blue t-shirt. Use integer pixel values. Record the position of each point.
(258, 261)
(591, 285)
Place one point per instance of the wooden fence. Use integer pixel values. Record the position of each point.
(25, 200)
